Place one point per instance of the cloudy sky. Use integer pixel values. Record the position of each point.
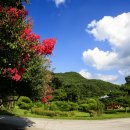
(93, 36)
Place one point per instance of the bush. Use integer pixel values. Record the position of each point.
(73, 106)
(25, 99)
(84, 107)
(25, 106)
(63, 106)
(24, 103)
(38, 104)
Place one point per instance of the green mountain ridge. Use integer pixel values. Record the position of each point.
(77, 86)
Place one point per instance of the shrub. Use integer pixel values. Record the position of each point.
(24, 103)
(73, 106)
(84, 107)
(25, 99)
(25, 106)
(38, 104)
(63, 106)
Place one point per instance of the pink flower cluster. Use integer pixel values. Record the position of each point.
(14, 73)
(12, 15)
(17, 12)
(29, 36)
(43, 100)
(46, 98)
(45, 48)
(48, 95)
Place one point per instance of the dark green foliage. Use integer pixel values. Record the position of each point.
(116, 93)
(127, 79)
(7, 87)
(13, 3)
(126, 88)
(124, 102)
(34, 80)
(78, 88)
(24, 103)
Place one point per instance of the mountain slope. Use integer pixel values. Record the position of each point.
(74, 84)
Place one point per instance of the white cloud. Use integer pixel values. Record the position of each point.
(85, 74)
(116, 31)
(99, 59)
(59, 2)
(108, 78)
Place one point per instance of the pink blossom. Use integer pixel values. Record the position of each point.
(16, 77)
(27, 31)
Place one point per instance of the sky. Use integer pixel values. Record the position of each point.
(93, 36)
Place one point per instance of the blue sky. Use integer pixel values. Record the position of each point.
(92, 35)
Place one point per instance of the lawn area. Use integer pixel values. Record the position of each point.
(77, 115)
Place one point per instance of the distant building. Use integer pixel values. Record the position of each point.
(105, 96)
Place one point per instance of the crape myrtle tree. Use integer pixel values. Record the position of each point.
(23, 57)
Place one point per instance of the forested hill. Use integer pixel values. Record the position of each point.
(74, 84)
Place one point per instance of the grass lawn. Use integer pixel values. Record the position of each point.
(77, 115)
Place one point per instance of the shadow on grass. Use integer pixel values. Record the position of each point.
(5, 112)
(9, 121)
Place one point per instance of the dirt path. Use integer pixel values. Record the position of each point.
(47, 124)
(116, 124)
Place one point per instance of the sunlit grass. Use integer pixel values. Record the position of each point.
(77, 115)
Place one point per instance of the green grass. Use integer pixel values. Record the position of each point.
(77, 115)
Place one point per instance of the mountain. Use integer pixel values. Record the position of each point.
(77, 87)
